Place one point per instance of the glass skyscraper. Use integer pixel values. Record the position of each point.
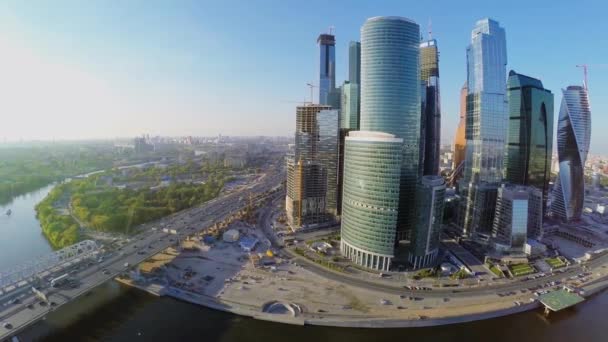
(349, 116)
(486, 102)
(350, 107)
(530, 134)
(354, 62)
(486, 124)
(430, 120)
(573, 137)
(424, 244)
(312, 170)
(460, 142)
(327, 67)
(390, 98)
(518, 216)
(372, 167)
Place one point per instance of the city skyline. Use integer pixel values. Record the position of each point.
(125, 90)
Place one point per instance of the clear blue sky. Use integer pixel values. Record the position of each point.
(77, 69)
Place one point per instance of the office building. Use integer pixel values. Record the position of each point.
(573, 137)
(350, 107)
(390, 98)
(349, 115)
(430, 120)
(327, 66)
(372, 167)
(486, 122)
(460, 141)
(312, 169)
(354, 62)
(518, 216)
(530, 133)
(424, 244)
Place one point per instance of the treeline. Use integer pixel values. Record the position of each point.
(110, 209)
(60, 230)
(119, 210)
(27, 168)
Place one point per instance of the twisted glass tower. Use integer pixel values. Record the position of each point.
(390, 98)
(573, 137)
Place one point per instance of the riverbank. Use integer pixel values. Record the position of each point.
(243, 289)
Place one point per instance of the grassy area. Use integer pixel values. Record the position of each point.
(426, 273)
(461, 274)
(555, 262)
(497, 271)
(521, 269)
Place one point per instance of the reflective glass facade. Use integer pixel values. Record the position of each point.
(327, 66)
(530, 133)
(390, 97)
(349, 117)
(460, 142)
(354, 62)
(424, 244)
(573, 137)
(486, 125)
(372, 166)
(518, 216)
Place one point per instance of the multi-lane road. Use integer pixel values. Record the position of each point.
(149, 242)
(600, 263)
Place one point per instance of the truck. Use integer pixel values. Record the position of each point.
(56, 282)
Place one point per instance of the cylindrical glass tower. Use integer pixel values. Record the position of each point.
(390, 97)
(372, 163)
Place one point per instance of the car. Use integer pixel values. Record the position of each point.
(126, 264)
(7, 325)
(43, 303)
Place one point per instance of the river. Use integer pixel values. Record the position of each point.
(116, 313)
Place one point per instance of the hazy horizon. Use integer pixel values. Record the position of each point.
(95, 70)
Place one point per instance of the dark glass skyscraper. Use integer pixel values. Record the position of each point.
(530, 134)
(327, 66)
(430, 120)
(390, 98)
(573, 137)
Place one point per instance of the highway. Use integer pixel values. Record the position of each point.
(450, 292)
(151, 241)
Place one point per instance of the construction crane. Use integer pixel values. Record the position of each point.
(585, 67)
(311, 86)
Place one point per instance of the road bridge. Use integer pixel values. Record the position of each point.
(29, 309)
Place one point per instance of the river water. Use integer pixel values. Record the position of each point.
(116, 313)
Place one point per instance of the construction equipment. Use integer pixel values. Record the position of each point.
(585, 67)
